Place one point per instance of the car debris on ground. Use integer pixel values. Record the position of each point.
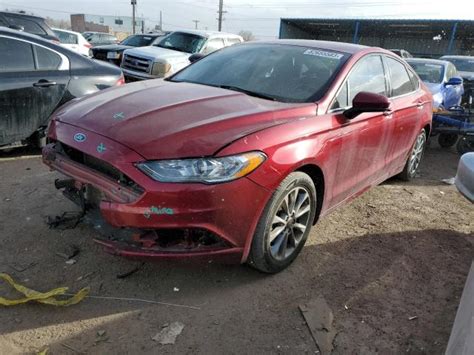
(169, 333)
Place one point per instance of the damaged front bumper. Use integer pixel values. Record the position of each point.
(142, 218)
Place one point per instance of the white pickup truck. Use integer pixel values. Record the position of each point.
(172, 53)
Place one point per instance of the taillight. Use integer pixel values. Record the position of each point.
(55, 41)
(87, 45)
(121, 81)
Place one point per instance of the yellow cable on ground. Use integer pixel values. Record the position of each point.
(41, 297)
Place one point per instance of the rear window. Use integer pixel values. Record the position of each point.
(428, 72)
(16, 56)
(28, 25)
(66, 37)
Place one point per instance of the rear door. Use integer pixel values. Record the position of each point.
(33, 80)
(408, 103)
(364, 138)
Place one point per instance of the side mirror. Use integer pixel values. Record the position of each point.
(367, 102)
(455, 80)
(17, 27)
(195, 57)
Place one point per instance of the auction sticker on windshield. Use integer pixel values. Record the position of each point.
(324, 54)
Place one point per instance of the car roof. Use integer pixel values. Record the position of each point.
(19, 14)
(328, 45)
(427, 60)
(208, 33)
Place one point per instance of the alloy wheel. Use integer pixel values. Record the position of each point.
(417, 154)
(289, 223)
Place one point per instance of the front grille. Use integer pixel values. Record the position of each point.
(100, 55)
(99, 166)
(137, 64)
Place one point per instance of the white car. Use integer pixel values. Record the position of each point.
(74, 41)
(172, 53)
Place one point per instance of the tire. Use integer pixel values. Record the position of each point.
(414, 159)
(447, 140)
(465, 145)
(273, 252)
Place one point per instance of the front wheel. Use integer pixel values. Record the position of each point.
(284, 225)
(414, 159)
(446, 140)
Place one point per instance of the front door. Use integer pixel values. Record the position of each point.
(364, 139)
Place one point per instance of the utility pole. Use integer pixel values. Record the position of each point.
(134, 3)
(161, 20)
(196, 24)
(220, 13)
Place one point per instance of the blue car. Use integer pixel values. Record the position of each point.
(442, 79)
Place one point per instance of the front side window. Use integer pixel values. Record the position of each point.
(451, 71)
(286, 73)
(368, 75)
(462, 64)
(47, 60)
(182, 42)
(16, 56)
(401, 83)
(213, 45)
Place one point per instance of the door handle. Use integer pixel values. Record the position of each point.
(43, 83)
(420, 105)
(388, 113)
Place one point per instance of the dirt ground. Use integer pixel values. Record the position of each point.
(402, 250)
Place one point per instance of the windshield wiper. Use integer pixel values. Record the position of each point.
(248, 92)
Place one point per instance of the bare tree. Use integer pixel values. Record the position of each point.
(59, 23)
(247, 35)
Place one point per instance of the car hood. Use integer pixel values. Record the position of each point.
(154, 53)
(468, 75)
(161, 120)
(111, 47)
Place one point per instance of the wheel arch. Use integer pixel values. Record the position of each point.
(316, 174)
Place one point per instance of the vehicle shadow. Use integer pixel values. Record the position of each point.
(20, 152)
(374, 284)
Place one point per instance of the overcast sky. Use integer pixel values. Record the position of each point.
(259, 16)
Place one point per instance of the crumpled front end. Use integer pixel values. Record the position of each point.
(149, 218)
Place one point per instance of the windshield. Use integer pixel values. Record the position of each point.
(462, 64)
(281, 72)
(138, 41)
(428, 72)
(183, 42)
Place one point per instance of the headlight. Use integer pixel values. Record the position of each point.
(203, 170)
(160, 69)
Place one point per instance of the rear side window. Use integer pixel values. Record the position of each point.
(401, 83)
(28, 25)
(66, 38)
(232, 41)
(47, 60)
(16, 56)
(415, 83)
(451, 72)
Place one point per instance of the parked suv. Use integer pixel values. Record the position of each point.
(31, 24)
(172, 53)
(36, 77)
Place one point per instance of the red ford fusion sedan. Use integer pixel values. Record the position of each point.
(239, 154)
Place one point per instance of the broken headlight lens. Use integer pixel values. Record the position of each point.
(203, 170)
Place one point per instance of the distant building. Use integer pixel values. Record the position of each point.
(109, 24)
(424, 38)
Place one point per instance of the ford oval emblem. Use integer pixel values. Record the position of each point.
(80, 137)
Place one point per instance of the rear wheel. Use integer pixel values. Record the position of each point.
(447, 140)
(465, 145)
(284, 225)
(413, 162)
